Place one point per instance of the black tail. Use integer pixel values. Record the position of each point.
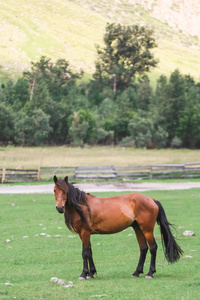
(170, 247)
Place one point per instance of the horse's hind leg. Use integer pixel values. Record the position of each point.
(148, 233)
(143, 249)
(153, 249)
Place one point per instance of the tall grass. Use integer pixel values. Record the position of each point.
(29, 260)
(17, 157)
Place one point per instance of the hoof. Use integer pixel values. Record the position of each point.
(148, 277)
(90, 277)
(81, 278)
(134, 276)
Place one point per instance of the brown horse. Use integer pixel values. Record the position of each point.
(86, 214)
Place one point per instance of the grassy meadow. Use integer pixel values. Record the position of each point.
(19, 157)
(30, 259)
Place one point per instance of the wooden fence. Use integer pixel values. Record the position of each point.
(128, 172)
(186, 170)
(19, 175)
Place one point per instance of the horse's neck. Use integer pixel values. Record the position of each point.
(72, 219)
(69, 209)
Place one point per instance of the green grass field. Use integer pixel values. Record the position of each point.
(30, 259)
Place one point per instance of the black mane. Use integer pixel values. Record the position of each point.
(76, 199)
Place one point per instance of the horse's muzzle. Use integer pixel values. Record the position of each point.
(60, 209)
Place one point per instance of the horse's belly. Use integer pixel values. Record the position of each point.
(113, 221)
(110, 230)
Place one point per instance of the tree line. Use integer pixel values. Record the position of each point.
(51, 104)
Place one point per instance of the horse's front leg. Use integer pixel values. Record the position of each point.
(92, 266)
(87, 256)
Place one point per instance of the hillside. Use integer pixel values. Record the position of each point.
(70, 29)
(178, 14)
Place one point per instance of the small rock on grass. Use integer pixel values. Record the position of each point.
(62, 282)
(8, 284)
(70, 284)
(98, 296)
(188, 233)
(54, 279)
(58, 280)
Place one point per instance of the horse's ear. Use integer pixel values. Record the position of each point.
(55, 178)
(66, 179)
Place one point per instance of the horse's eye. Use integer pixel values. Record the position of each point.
(54, 191)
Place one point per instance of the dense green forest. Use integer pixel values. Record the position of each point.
(53, 105)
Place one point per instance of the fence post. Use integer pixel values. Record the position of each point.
(38, 174)
(184, 171)
(150, 174)
(39, 170)
(3, 175)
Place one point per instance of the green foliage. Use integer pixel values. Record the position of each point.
(176, 100)
(189, 122)
(81, 127)
(105, 137)
(141, 129)
(127, 141)
(121, 128)
(144, 93)
(21, 94)
(176, 142)
(127, 52)
(106, 109)
(24, 127)
(51, 104)
(32, 130)
(146, 131)
(6, 124)
(7, 93)
(124, 105)
(48, 78)
(41, 127)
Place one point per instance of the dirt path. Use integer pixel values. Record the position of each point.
(100, 187)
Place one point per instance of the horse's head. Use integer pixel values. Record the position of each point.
(60, 191)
